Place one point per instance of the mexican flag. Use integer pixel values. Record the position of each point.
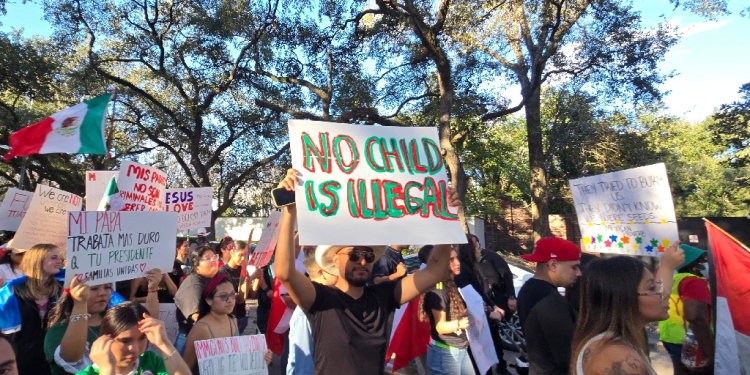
(75, 130)
(732, 265)
(111, 200)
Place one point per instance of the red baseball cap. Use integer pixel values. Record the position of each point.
(556, 248)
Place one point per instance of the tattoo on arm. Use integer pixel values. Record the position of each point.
(631, 365)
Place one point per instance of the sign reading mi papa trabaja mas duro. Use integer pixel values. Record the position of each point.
(383, 184)
(626, 212)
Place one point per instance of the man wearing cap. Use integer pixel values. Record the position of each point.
(349, 320)
(689, 306)
(547, 319)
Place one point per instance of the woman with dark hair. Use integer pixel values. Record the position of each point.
(10, 265)
(126, 330)
(75, 323)
(468, 254)
(446, 311)
(225, 247)
(216, 319)
(619, 296)
(204, 265)
(34, 295)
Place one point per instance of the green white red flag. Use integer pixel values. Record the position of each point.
(111, 200)
(75, 130)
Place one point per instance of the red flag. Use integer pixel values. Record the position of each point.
(275, 341)
(410, 336)
(732, 266)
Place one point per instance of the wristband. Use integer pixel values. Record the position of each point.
(153, 291)
(170, 356)
(76, 317)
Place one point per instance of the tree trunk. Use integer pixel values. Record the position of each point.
(539, 193)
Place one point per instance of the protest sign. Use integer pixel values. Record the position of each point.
(14, 208)
(46, 220)
(237, 355)
(478, 333)
(267, 243)
(193, 206)
(96, 183)
(168, 315)
(141, 187)
(383, 184)
(110, 246)
(626, 212)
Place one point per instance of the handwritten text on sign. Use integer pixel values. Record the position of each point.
(14, 208)
(141, 187)
(240, 355)
(96, 183)
(268, 238)
(46, 220)
(193, 206)
(110, 246)
(383, 184)
(626, 212)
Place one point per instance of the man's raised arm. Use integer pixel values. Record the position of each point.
(437, 267)
(300, 288)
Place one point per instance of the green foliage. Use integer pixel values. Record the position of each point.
(731, 127)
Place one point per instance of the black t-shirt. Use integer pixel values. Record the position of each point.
(438, 299)
(498, 277)
(349, 335)
(386, 264)
(188, 300)
(234, 274)
(264, 302)
(548, 323)
(162, 291)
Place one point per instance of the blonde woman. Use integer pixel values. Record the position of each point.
(33, 296)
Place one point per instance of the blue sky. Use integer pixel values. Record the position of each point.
(712, 59)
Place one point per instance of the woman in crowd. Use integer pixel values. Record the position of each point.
(75, 323)
(126, 330)
(446, 311)
(10, 265)
(203, 266)
(225, 247)
(215, 317)
(619, 296)
(36, 294)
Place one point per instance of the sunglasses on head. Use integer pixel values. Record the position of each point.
(356, 254)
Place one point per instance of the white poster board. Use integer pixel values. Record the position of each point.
(168, 315)
(46, 220)
(238, 355)
(96, 183)
(267, 243)
(14, 208)
(141, 187)
(478, 333)
(626, 212)
(111, 246)
(371, 185)
(193, 206)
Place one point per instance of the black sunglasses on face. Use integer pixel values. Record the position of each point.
(356, 255)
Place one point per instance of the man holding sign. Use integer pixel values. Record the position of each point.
(349, 320)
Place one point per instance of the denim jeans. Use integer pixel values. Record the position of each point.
(242, 324)
(449, 361)
(180, 343)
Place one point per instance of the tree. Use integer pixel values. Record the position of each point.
(180, 69)
(731, 127)
(607, 50)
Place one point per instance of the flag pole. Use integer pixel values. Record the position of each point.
(23, 173)
(110, 131)
(727, 234)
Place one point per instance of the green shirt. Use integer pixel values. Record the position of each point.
(148, 361)
(53, 339)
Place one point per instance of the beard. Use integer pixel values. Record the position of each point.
(356, 281)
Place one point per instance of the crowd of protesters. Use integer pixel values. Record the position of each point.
(342, 304)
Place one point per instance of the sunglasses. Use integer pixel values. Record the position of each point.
(356, 255)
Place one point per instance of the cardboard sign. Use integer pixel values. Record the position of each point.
(14, 208)
(478, 333)
(371, 185)
(626, 212)
(96, 183)
(268, 238)
(237, 355)
(193, 206)
(168, 315)
(46, 220)
(141, 187)
(110, 246)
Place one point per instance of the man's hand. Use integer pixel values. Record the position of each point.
(400, 269)
(512, 304)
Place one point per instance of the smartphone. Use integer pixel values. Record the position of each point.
(282, 197)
